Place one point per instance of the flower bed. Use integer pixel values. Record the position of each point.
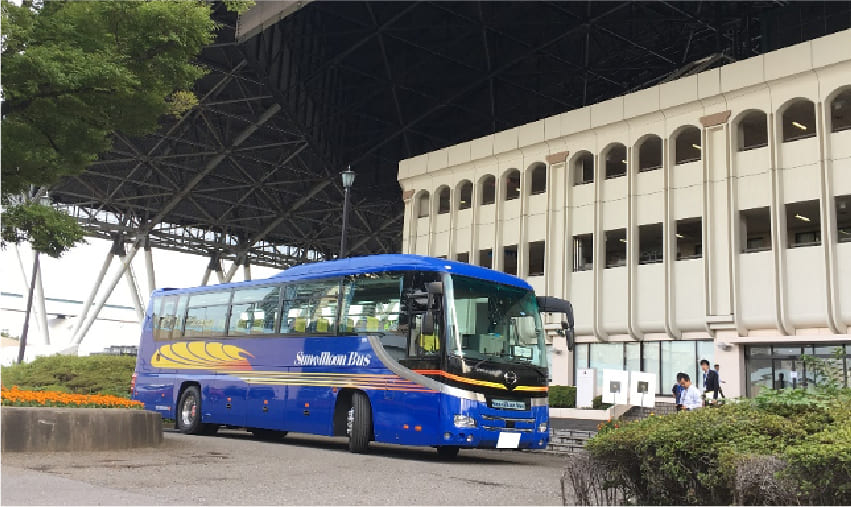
(22, 398)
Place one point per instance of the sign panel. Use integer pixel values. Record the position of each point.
(616, 387)
(642, 389)
(586, 387)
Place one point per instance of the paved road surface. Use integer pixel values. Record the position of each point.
(235, 469)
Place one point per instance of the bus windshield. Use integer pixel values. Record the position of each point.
(494, 322)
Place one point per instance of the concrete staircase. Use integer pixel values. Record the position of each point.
(636, 413)
(567, 441)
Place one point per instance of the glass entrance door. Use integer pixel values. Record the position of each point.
(788, 374)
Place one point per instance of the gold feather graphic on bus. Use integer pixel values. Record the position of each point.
(201, 356)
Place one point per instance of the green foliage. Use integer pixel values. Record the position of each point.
(597, 403)
(239, 6)
(71, 374)
(562, 396)
(50, 231)
(691, 458)
(75, 72)
(821, 466)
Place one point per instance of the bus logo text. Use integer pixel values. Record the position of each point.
(329, 359)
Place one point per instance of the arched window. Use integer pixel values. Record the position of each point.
(422, 205)
(443, 202)
(840, 111)
(650, 154)
(799, 121)
(753, 131)
(488, 189)
(615, 158)
(583, 169)
(538, 178)
(465, 195)
(687, 145)
(512, 185)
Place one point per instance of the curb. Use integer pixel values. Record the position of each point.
(42, 429)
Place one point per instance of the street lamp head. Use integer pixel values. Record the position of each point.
(348, 177)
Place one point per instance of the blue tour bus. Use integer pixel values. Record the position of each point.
(392, 348)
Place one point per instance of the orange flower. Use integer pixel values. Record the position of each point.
(18, 397)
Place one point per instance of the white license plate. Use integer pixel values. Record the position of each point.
(508, 440)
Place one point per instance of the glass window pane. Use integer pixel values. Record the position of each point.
(651, 363)
(787, 351)
(633, 356)
(206, 321)
(678, 357)
(254, 311)
(373, 304)
(706, 350)
(210, 298)
(311, 309)
(606, 356)
(759, 376)
(759, 351)
(580, 356)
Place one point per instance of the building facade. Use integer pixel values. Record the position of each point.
(707, 217)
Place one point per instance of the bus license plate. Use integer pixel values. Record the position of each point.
(508, 404)
(508, 440)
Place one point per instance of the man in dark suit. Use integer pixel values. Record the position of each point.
(710, 382)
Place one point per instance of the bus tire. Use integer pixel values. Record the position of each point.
(448, 451)
(189, 411)
(360, 421)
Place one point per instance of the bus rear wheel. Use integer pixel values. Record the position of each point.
(447, 451)
(189, 411)
(359, 423)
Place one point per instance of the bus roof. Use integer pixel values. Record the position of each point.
(395, 262)
(376, 263)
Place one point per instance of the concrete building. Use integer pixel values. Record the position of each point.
(707, 217)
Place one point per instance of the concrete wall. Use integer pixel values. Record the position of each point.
(37, 429)
(781, 294)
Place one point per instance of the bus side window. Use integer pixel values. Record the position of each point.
(165, 319)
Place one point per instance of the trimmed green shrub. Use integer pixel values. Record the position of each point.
(695, 458)
(597, 403)
(562, 396)
(71, 374)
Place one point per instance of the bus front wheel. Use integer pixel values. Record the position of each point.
(359, 423)
(189, 411)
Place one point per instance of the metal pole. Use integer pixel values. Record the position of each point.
(345, 224)
(206, 277)
(42, 309)
(88, 304)
(149, 267)
(134, 292)
(246, 271)
(102, 300)
(23, 342)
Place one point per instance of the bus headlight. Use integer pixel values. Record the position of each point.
(464, 421)
(542, 427)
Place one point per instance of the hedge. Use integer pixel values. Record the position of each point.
(695, 458)
(562, 396)
(71, 374)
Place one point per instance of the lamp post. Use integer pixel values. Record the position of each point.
(348, 179)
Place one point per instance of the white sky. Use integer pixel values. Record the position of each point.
(72, 277)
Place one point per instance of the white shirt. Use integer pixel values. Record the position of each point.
(691, 398)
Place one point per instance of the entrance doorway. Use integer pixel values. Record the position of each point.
(789, 374)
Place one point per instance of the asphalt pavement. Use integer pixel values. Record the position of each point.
(234, 468)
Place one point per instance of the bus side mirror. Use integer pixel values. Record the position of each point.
(567, 329)
(428, 323)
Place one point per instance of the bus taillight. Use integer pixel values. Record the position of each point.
(133, 383)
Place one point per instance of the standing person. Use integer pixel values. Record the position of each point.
(720, 390)
(710, 382)
(677, 391)
(691, 395)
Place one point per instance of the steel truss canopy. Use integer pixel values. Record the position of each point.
(305, 90)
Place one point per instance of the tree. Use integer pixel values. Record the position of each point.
(75, 72)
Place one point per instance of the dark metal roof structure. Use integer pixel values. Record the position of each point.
(253, 172)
